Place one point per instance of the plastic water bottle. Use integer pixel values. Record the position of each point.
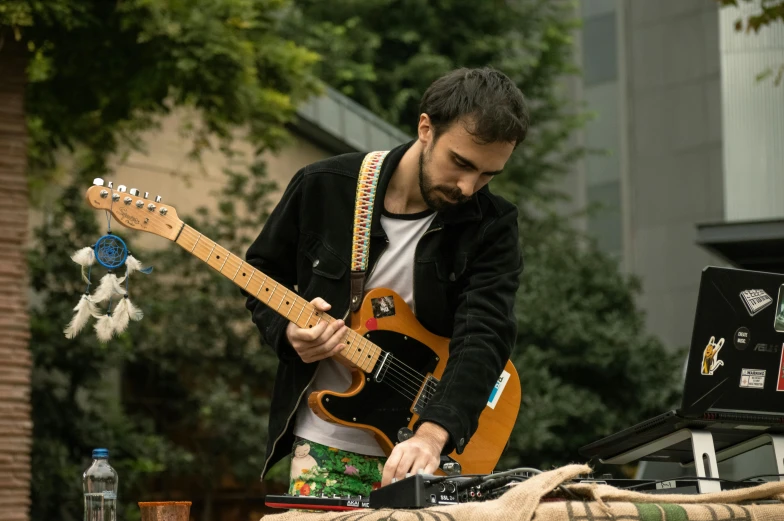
(100, 489)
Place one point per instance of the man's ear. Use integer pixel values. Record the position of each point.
(425, 130)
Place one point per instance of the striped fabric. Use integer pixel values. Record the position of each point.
(363, 209)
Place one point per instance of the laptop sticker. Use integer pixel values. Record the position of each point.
(778, 322)
(752, 378)
(780, 386)
(755, 300)
(742, 338)
(710, 357)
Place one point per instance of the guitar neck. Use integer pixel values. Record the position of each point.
(360, 352)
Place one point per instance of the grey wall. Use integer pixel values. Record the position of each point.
(674, 170)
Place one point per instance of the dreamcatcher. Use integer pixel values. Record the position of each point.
(110, 252)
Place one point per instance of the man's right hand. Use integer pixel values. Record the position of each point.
(320, 341)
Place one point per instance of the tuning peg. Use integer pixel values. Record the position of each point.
(111, 184)
(146, 195)
(98, 181)
(158, 199)
(134, 192)
(121, 188)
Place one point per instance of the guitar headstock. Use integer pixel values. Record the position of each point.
(132, 210)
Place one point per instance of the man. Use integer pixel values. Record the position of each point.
(439, 239)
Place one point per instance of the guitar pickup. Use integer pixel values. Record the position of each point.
(425, 393)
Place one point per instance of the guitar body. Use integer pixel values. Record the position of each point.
(386, 402)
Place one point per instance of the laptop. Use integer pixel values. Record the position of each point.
(734, 374)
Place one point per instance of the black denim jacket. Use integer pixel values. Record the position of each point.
(466, 274)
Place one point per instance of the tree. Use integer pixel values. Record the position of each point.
(581, 335)
(770, 11)
(92, 75)
(14, 354)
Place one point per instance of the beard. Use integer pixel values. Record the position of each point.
(430, 192)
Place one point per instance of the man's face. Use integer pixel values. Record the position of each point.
(453, 167)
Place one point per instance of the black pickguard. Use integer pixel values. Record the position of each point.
(379, 403)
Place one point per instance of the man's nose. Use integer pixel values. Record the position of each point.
(468, 185)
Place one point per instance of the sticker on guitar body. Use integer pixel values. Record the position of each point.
(495, 394)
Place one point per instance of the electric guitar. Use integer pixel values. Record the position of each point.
(396, 363)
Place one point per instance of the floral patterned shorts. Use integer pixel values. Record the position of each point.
(317, 469)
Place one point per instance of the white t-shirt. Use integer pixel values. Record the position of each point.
(393, 270)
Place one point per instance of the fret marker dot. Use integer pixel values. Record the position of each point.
(243, 274)
(287, 303)
(217, 256)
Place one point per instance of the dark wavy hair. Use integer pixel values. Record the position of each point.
(490, 105)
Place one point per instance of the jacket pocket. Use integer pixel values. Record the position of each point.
(451, 270)
(323, 261)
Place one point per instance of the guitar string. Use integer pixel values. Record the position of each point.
(401, 368)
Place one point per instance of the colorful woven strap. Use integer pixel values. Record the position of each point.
(363, 209)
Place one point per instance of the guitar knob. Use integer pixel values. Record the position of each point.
(111, 184)
(403, 434)
(158, 199)
(134, 192)
(98, 181)
(146, 195)
(121, 188)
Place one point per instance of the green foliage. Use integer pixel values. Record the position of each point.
(587, 366)
(192, 377)
(74, 406)
(102, 71)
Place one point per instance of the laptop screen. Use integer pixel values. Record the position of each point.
(736, 359)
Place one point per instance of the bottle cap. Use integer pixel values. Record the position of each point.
(100, 453)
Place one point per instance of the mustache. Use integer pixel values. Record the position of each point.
(455, 194)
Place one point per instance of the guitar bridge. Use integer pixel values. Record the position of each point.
(425, 393)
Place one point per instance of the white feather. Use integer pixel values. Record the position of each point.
(133, 264)
(120, 316)
(108, 287)
(134, 312)
(85, 256)
(103, 328)
(84, 310)
(85, 276)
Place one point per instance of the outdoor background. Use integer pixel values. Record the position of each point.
(655, 150)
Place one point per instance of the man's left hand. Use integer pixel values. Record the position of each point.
(420, 452)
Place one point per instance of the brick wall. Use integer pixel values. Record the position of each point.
(15, 361)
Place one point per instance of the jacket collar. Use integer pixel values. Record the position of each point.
(469, 211)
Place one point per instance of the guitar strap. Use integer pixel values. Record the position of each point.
(369, 173)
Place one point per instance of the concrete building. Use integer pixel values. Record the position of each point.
(694, 175)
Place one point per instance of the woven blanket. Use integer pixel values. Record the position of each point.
(764, 502)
